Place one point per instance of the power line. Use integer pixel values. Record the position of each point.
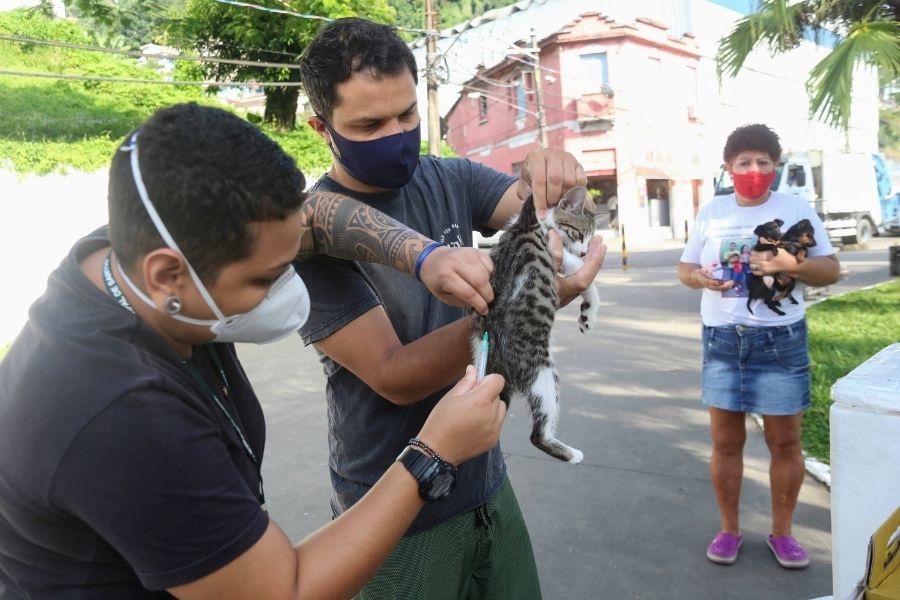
(506, 54)
(512, 85)
(134, 53)
(291, 13)
(151, 81)
(527, 91)
(497, 99)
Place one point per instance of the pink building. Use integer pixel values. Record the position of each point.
(623, 98)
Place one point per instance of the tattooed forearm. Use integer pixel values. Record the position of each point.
(344, 228)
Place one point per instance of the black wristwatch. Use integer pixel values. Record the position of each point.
(436, 477)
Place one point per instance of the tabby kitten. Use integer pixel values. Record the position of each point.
(519, 319)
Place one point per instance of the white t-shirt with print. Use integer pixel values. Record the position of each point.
(721, 240)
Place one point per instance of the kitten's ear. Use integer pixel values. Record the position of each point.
(574, 200)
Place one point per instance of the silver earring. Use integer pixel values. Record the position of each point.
(173, 305)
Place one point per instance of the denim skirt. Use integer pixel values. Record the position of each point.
(756, 369)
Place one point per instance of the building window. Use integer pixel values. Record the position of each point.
(482, 108)
(520, 99)
(594, 73)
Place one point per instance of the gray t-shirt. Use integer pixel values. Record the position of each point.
(445, 200)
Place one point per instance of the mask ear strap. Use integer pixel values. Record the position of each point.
(149, 301)
(160, 226)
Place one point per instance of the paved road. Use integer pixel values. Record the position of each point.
(633, 520)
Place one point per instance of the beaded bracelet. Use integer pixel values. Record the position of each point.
(423, 255)
(420, 444)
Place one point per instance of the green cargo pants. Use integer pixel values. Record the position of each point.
(483, 554)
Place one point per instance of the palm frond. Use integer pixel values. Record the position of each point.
(830, 83)
(778, 23)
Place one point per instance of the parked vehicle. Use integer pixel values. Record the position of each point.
(850, 191)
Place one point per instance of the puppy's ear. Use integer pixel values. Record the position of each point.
(779, 222)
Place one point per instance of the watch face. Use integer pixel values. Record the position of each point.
(437, 479)
(442, 485)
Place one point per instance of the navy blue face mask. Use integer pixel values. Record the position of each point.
(387, 162)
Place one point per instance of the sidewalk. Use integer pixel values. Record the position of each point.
(633, 520)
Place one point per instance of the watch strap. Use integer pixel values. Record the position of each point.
(426, 470)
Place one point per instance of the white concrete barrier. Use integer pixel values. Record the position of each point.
(40, 219)
(865, 461)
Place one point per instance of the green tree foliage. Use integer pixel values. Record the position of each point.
(123, 23)
(889, 131)
(870, 35)
(236, 32)
(411, 13)
(455, 12)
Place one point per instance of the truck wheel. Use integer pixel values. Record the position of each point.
(864, 231)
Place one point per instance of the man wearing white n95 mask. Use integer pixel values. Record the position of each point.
(131, 440)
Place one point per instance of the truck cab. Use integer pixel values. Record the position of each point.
(844, 188)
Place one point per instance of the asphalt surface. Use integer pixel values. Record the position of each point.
(633, 520)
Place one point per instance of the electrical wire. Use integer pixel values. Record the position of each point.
(151, 81)
(527, 91)
(499, 100)
(134, 53)
(309, 16)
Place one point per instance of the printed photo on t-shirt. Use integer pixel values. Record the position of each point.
(734, 265)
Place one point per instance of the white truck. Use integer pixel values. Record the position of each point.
(846, 189)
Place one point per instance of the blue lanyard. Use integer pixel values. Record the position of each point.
(116, 293)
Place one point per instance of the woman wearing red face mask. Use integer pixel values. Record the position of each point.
(754, 359)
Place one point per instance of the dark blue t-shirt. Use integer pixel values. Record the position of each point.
(445, 200)
(119, 476)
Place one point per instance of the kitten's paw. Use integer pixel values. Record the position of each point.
(588, 317)
(577, 457)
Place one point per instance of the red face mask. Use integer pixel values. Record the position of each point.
(752, 184)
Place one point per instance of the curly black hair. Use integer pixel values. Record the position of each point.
(756, 137)
(347, 46)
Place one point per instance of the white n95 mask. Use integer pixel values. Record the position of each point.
(282, 312)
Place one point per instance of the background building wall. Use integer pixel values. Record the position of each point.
(670, 112)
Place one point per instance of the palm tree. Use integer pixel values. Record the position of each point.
(868, 33)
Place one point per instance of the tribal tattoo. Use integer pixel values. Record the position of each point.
(345, 228)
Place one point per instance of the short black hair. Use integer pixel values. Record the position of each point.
(756, 137)
(209, 174)
(347, 46)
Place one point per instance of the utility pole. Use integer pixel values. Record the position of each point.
(434, 117)
(535, 54)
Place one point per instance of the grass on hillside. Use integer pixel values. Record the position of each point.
(844, 332)
(51, 125)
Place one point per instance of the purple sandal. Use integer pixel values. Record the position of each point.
(724, 548)
(788, 552)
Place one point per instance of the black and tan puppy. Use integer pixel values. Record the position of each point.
(761, 287)
(796, 240)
